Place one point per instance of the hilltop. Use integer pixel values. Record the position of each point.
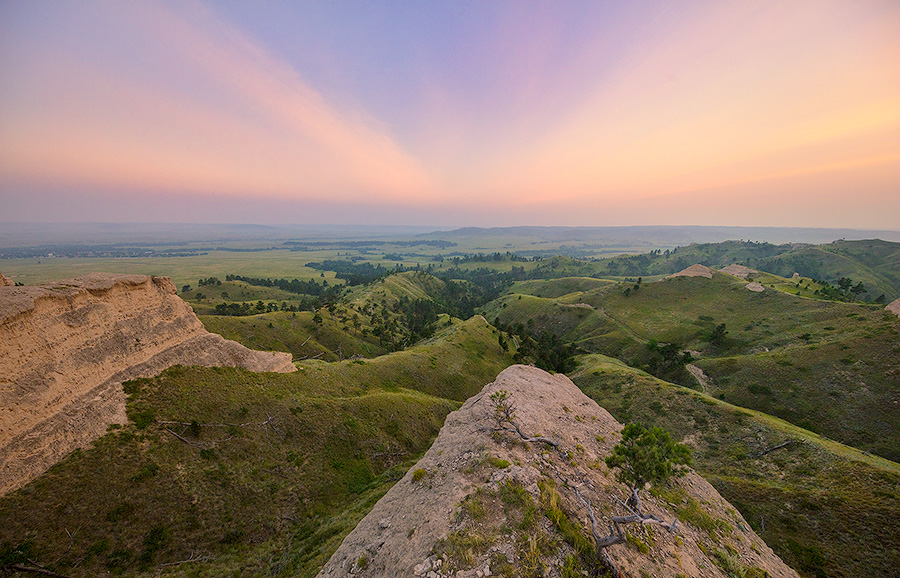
(483, 502)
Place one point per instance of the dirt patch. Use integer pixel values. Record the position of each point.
(698, 374)
(739, 271)
(697, 270)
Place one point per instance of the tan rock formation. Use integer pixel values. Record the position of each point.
(412, 530)
(6, 281)
(697, 270)
(755, 287)
(739, 271)
(66, 347)
(894, 307)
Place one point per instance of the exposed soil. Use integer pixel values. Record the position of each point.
(697, 270)
(739, 271)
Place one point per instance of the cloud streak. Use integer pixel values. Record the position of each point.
(211, 111)
(588, 113)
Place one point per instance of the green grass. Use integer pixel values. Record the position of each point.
(557, 287)
(296, 333)
(275, 468)
(828, 365)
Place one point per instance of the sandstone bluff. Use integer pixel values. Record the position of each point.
(455, 512)
(66, 348)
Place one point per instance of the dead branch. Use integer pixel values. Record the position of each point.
(270, 422)
(33, 570)
(633, 505)
(192, 424)
(601, 544)
(608, 562)
(187, 441)
(772, 449)
(505, 413)
(190, 559)
(531, 439)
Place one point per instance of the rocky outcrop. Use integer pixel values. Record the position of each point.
(894, 307)
(756, 287)
(6, 281)
(697, 270)
(739, 271)
(66, 347)
(463, 509)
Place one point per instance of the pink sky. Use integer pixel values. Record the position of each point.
(738, 113)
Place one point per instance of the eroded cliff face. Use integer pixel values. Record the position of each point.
(66, 348)
(482, 502)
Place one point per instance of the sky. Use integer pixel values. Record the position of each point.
(455, 113)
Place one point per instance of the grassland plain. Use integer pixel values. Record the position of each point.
(826, 365)
(223, 472)
(182, 270)
(827, 509)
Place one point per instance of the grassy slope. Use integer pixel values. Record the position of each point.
(557, 287)
(825, 365)
(827, 509)
(412, 285)
(236, 292)
(875, 263)
(259, 498)
(337, 337)
(295, 333)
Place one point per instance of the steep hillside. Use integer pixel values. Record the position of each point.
(826, 509)
(66, 347)
(224, 472)
(485, 501)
